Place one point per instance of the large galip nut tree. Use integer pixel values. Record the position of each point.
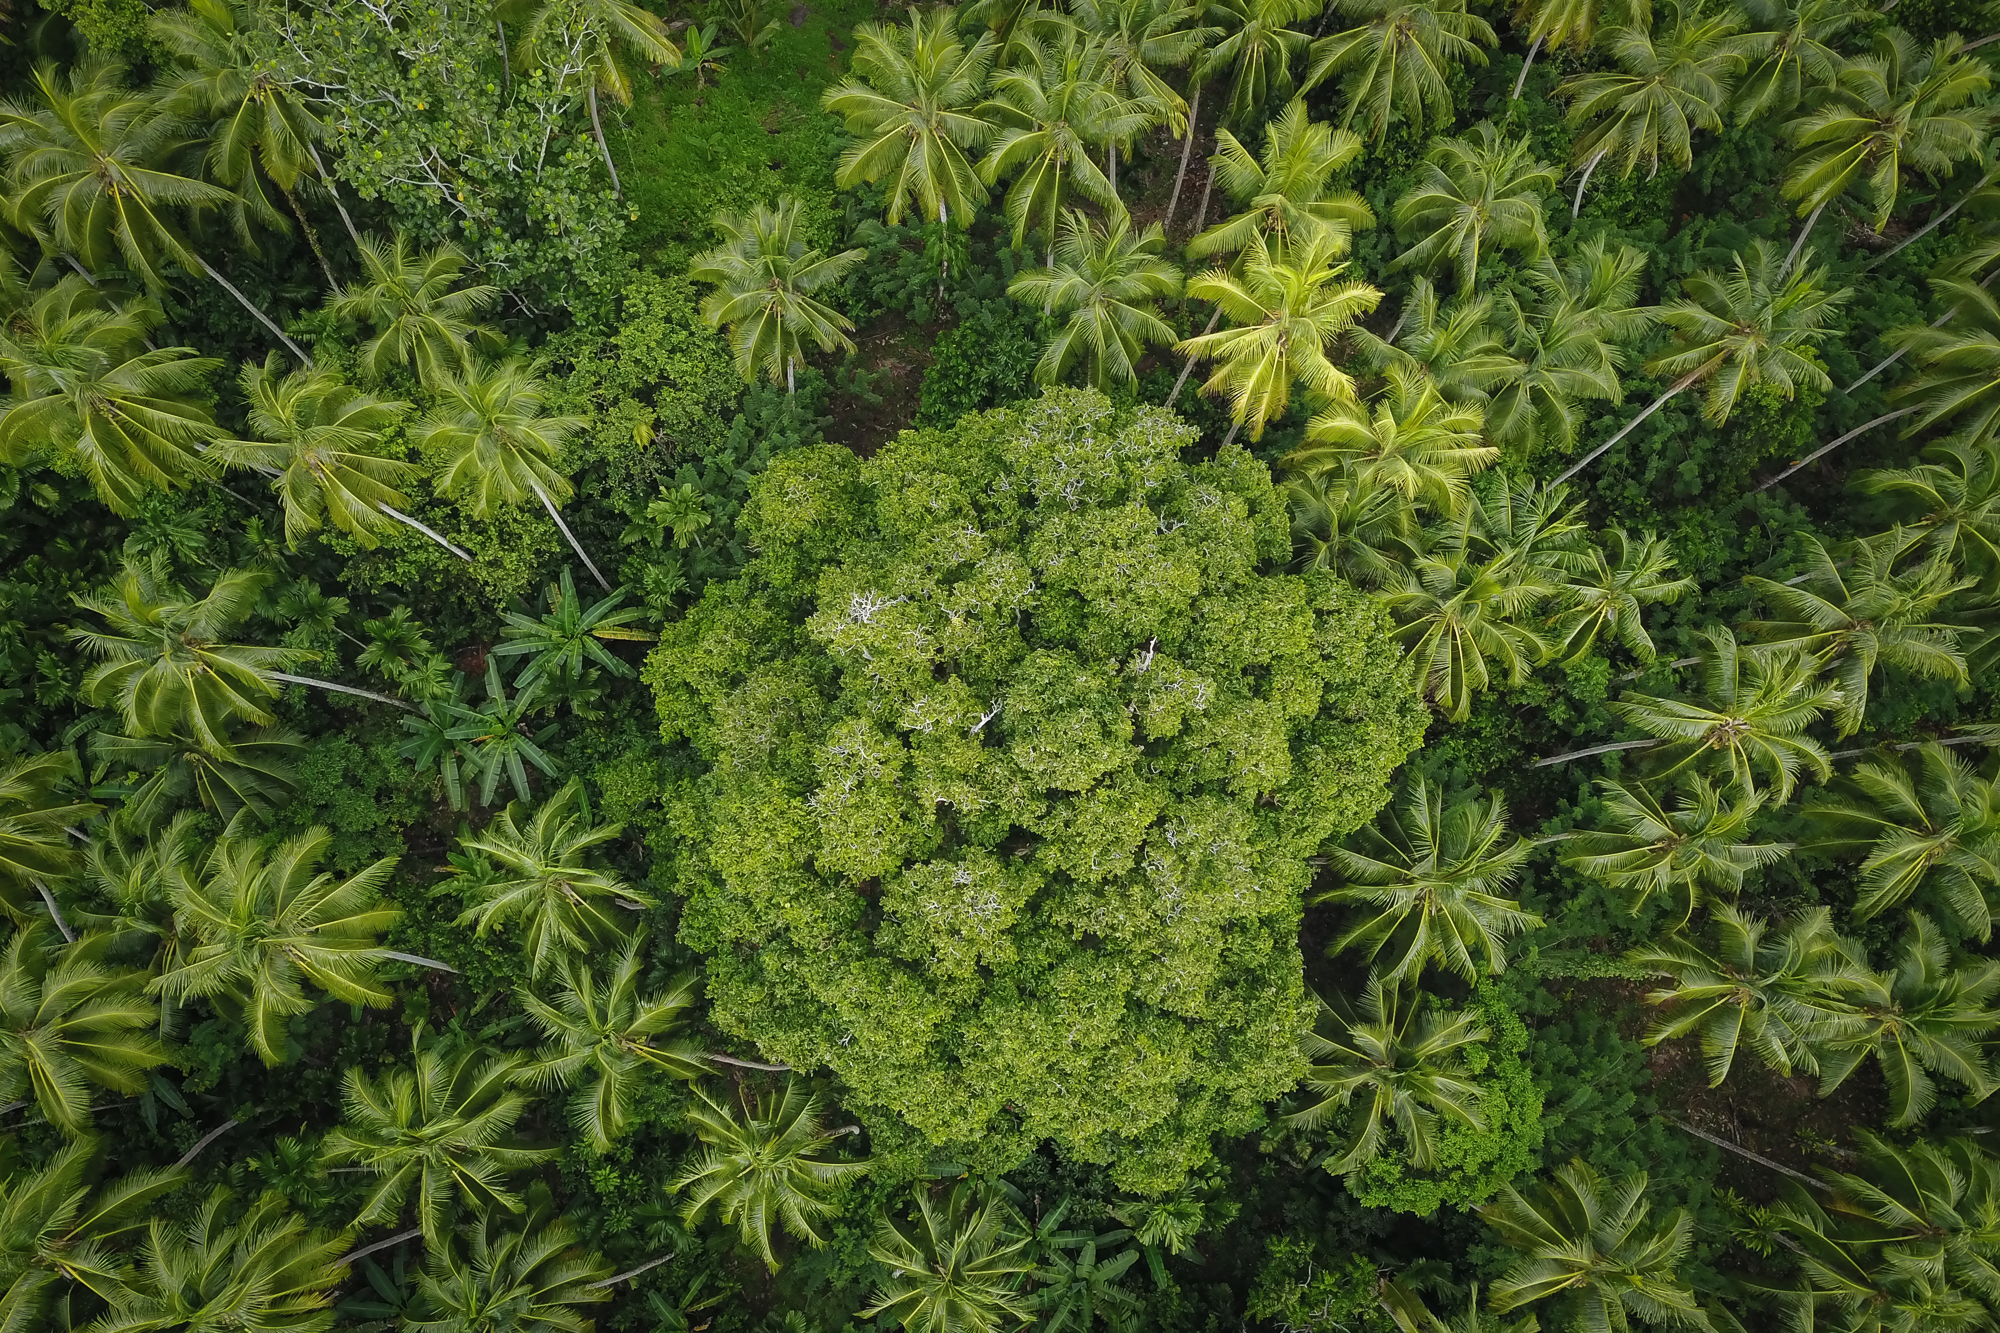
(1019, 745)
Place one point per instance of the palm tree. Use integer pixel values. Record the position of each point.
(1671, 79)
(1141, 37)
(956, 1266)
(495, 739)
(88, 391)
(1054, 106)
(1478, 191)
(1797, 49)
(321, 445)
(1753, 716)
(498, 447)
(1927, 821)
(409, 300)
(764, 280)
(33, 817)
(1411, 440)
(914, 101)
(1454, 347)
(1288, 306)
(441, 1131)
(1106, 280)
(164, 664)
(597, 33)
(1958, 365)
(256, 773)
(1399, 59)
(1078, 1290)
(1758, 325)
(546, 883)
(758, 1169)
(1888, 110)
(560, 641)
(1926, 1017)
(206, 1275)
(1404, 1059)
(1284, 191)
(58, 1231)
(1258, 47)
(1623, 577)
(68, 1022)
(1593, 1242)
(1571, 23)
(531, 1276)
(1431, 876)
(260, 924)
(1770, 994)
(1953, 499)
(1653, 850)
(1865, 615)
(1569, 346)
(603, 1036)
(1359, 527)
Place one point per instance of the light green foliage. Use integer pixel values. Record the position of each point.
(1018, 759)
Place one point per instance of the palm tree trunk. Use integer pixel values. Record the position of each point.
(382, 1244)
(506, 73)
(1175, 396)
(1111, 165)
(1526, 65)
(1577, 207)
(1824, 449)
(338, 688)
(1935, 222)
(791, 385)
(574, 544)
(334, 192)
(204, 1141)
(55, 913)
(1657, 404)
(1595, 749)
(630, 1273)
(432, 963)
(1187, 149)
(1897, 355)
(430, 532)
(262, 318)
(590, 95)
(1201, 214)
(1230, 438)
(1805, 231)
(312, 236)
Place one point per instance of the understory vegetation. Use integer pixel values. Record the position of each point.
(687, 666)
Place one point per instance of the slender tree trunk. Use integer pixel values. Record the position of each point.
(312, 236)
(1187, 149)
(432, 963)
(630, 1273)
(1935, 222)
(791, 384)
(1201, 214)
(1897, 355)
(334, 192)
(597, 125)
(337, 688)
(428, 531)
(55, 913)
(944, 252)
(1657, 404)
(1230, 438)
(506, 60)
(1824, 449)
(746, 1064)
(574, 544)
(1800, 244)
(1526, 65)
(1595, 749)
(1187, 369)
(383, 1244)
(251, 306)
(1577, 207)
(205, 1140)
(1111, 166)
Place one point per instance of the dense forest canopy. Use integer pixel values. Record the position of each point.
(1050, 664)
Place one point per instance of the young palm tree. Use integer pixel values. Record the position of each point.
(1078, 1281)
(1887, 111)
(764, 280)
(603, 1037)
(1773, 995)
(1570, 345)
(1398, 59)
(602, 32)
(1858, 618)
(758, 1169)
(1753, 716)
(1609, 595)
(261, 924)
(561, 641)
(495, 739)
(266, 1273)
(441, 1131)
(1360, 528)
(914, 103)
(1257, 47)
(1651, 850)
(563, 905)
(59, 1231)
(1925, 821)
(1760, 324)
(1952, 499)
(1796, 47)
(33, 815)
(1671, 79)
(1288, 306)
(409, 300)
(87, 390)
(1593, 1243)
(1485, 190)
(1454, 347)
(1284, 191)
(531, 1275)
(1406, 1062)
(164, 664)
(1430, 877)
(1926, 1017)
(67, 1022)
(322, 440)
(1106, 280)
(956, 1266)
(1957, 376)
(1410, 439)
